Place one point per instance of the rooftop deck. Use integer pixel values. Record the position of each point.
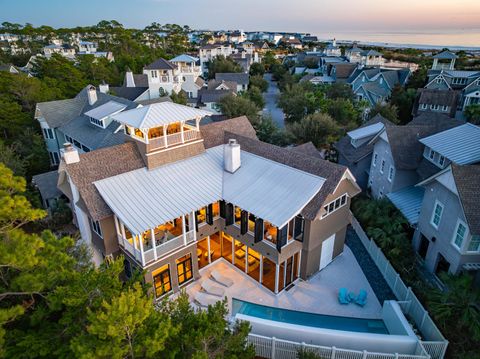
(316, 295)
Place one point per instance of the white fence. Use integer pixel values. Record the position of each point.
(434, 342)
(273, 348)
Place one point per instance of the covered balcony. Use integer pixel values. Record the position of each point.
(157, 242)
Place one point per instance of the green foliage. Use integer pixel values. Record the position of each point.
(472, 113)
(235, 106)
(387, 110)
(254, 94)
(297, 102)
(344, 113)
(257, 69)
(180, 98)
(339, 90)
(403, 100)
(268, 131)
(222, 64)
(269, 60)
(205, 334)
(418, 79)
(311, 62)
(319, 128)
(259, 82)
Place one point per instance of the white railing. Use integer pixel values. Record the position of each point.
(435, 343)
(271, 347)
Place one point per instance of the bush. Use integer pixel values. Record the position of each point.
(318, 128)
(259, 82)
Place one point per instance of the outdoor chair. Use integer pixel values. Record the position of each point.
(362, 298)
(220, 278)
(343, 296)
(212, 288)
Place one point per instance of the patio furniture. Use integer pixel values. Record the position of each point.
(351, 297)
(204, 299)
(362, 298)
(240, 253)
(212, 288)
(343, 296)
(220, 278)
(211, 253)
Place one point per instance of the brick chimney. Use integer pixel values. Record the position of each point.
(70, 154)
(231, 156)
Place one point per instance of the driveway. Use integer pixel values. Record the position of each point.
(271, 109)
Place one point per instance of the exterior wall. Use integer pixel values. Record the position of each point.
(443, 245)
(359, 169)
(379, 183)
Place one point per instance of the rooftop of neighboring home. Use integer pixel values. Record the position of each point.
(356, 144)
(219, 85)
(73, 117)
(213, 96)
(445, 55)
(184, 58)
(47, 184)
(432, 97)
(460, 144)
(392, 77)
(160, 64)
(240, 78)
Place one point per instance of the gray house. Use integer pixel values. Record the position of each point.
(448, 233)
(84, 121)
(355, 150)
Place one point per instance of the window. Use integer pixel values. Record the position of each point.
(391, 172)
(474, 245)
(431, 155)
(154, 74)
(460, 234)
(445, 108)
(424, 106)
(69, 139)
(161, 281)
(439, 80)
(382, 167)
(334, 205)
(459, 81)
(441, 161)
(96, 227)
(48, 133)
(54, 158)
(375, 157)
(184, 269)
(437, 214)
(99, 123)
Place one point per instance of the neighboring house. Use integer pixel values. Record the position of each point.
(9, 68)
(341, 72)
(317, 80)
(209, 98)
(309, 39)
(292, 43)
(375, 85)
(64, 50)
(87, 47)
(85, 121)
(189, 74)
(134, 87)
(436, 101)
(398, 156)
(333, 50)
(211, 51)
(46, 183)
(355, 149)
(245, 59)
(448, 233)
(368, 58)
(163, 78)
(354, 54)
(203, 193)
(241, 79)
(237, 37)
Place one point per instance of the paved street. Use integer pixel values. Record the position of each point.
(270, 98)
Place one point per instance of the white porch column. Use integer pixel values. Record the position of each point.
(154, 244)
(124, 236)
(260, 278)
(299, 262)
(145, 133)
(181, 132)
(142, 254)
(165, 143)
(277, 274)
(233, 250)
(197, 122)
(208, 249)
(183, 231)
(246, 258)
(192, 226)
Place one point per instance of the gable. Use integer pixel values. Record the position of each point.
(438, 83)
(447, 180)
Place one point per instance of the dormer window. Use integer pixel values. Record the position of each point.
(423, 106)
(99, 123)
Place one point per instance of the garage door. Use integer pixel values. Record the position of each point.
(327, 251)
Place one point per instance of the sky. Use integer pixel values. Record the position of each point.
(314, 16)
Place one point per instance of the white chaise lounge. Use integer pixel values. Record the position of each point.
(204, 300)
(211, 287)
(220, 278)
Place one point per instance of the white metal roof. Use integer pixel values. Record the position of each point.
(143, 198)
(105, 110)
(366, 131)
(159, 114)
(460, 144)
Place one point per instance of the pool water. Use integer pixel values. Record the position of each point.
(376, 326)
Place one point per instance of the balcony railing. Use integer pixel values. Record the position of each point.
(172, 140)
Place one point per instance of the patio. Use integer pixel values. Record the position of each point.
(316, 295)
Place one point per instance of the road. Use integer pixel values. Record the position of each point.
(270, 98)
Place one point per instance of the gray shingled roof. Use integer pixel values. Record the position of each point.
(47, 184)
(160, 64)
(352, 154)
(438, 97)
(240, 77)
(445, 55)
(213, 84)
(307, 149)
(130, 93)
(213, 132)
(212, 96)
(467, 180)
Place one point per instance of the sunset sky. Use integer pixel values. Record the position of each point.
(277, 15)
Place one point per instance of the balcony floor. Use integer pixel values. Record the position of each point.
(316, 295)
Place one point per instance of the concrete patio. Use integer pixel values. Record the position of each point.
(316, 295)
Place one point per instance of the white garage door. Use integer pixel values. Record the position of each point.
(327, 251)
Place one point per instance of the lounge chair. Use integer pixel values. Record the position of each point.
(343, 296)
(361, 298)
(220, 278)
(204, 300)
(212, 288)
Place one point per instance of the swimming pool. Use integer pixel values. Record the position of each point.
(376, 326)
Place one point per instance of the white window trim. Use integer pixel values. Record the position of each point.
(374, 161)
(459, 222)
(96, 223)
(327, 213)
(391, 173)
(437, 203)
(468, 245)
(382, 167)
